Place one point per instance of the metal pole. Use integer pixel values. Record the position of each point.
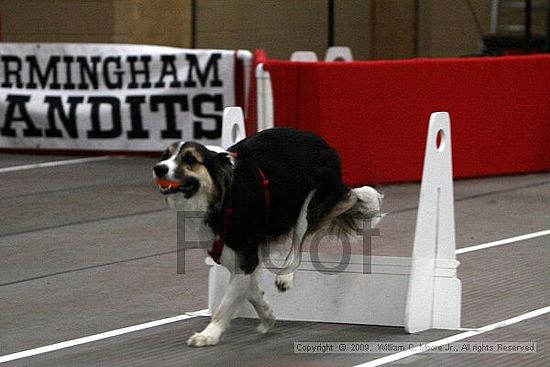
(495, 4)
(548, 29)
(528, 34)
(330, 41)
(416, 28)
(193, 24)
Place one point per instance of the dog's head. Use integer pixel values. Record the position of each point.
(190, 172)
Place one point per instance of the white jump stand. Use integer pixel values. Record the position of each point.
(338, 53)
(418, 293)
(233, 129)
(304, 56)
(433, 302)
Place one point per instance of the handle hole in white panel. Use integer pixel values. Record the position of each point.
(440, 141)
(235, 133)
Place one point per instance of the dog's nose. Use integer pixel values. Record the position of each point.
(160, 170)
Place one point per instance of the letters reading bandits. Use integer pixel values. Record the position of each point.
(17, 112)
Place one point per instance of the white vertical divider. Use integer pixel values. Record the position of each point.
(435, 229)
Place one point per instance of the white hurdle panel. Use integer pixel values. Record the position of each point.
(418, 293)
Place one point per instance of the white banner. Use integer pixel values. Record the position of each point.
(111, 97)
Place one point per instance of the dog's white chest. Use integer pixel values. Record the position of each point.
(198, 203)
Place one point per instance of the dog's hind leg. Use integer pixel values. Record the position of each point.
(285, 277)
(262, 307)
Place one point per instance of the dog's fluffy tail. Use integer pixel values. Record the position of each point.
(366, 208)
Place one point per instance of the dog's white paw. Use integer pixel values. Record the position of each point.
(202, 339)
(284, 282)
(266, 325)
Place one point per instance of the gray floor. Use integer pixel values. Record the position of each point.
(89, 248)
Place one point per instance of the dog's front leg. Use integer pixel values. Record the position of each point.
(234, 296)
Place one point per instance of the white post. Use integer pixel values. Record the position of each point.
(434, 240)
(338, 53)
(233, 129)
(246, 57)
(304, 56)
(264, 99)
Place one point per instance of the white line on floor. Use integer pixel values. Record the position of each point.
(54, 164)
(377, 362)
(454, 338)
(505, 241)
(96, 337)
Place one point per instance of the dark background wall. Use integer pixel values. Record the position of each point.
(374, 29)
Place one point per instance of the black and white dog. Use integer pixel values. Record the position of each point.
(275, 183)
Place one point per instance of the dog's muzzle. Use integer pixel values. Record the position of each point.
(187, 185)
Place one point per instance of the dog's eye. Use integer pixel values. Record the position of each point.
(164, 156)
(189, 160)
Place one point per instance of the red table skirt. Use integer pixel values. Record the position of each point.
(376, 113)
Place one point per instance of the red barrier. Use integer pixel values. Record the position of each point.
(376, 113)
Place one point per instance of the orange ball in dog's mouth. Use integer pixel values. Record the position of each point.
(167, 184)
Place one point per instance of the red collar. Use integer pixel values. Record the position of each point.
(217, 247)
